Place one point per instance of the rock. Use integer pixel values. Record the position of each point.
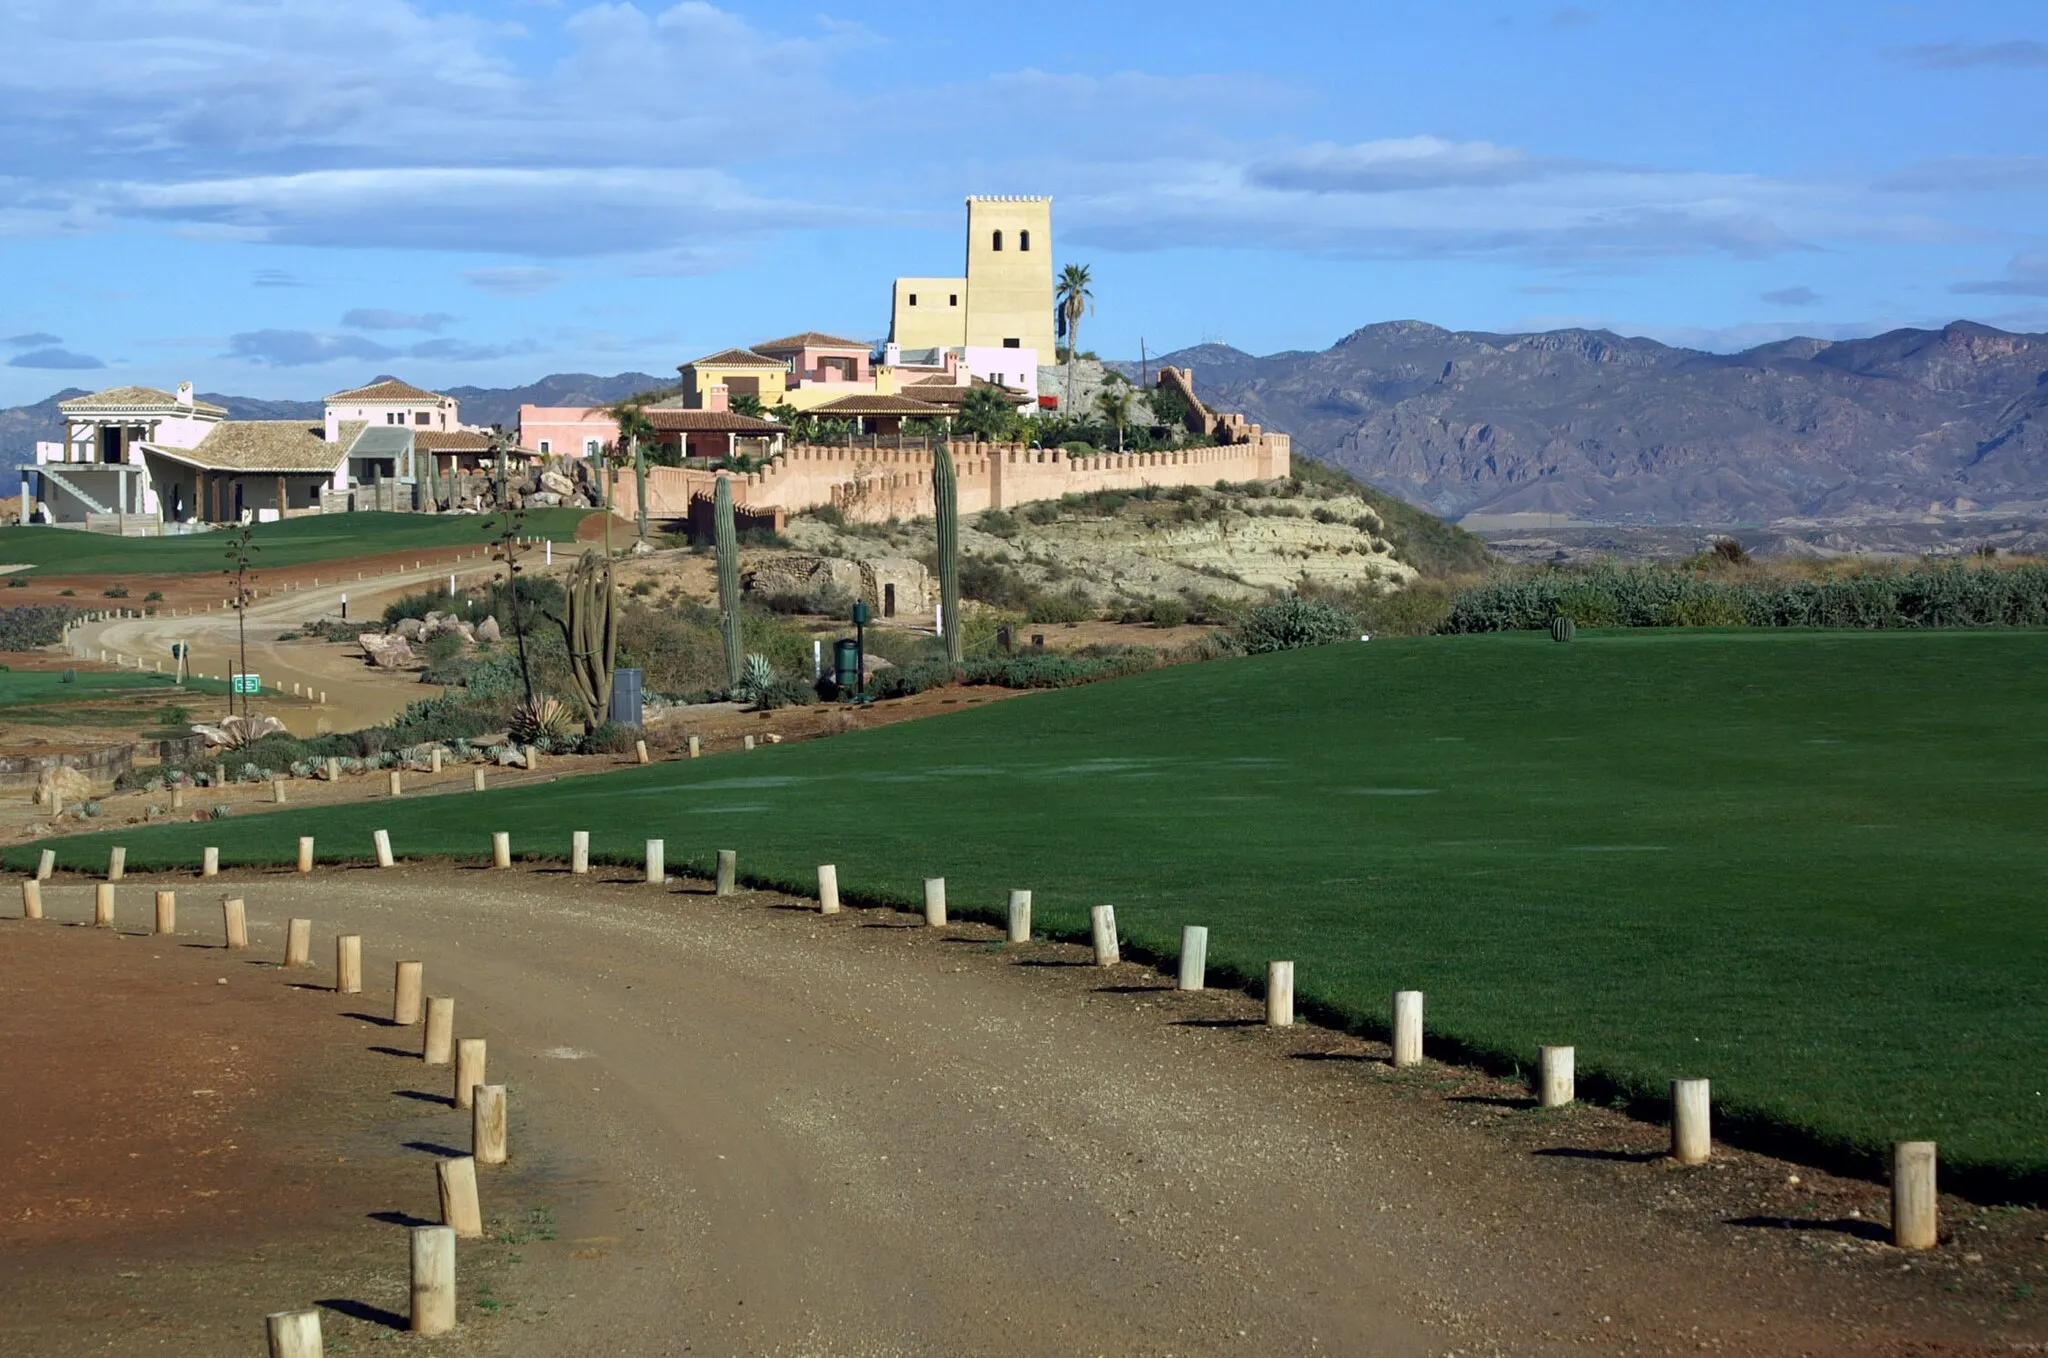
(641, 548)
(489, 633)
(411, 629)
(544, 498)
(511, 756)
(556, 484)
(236, 732)
(71, 785)
(386, 652)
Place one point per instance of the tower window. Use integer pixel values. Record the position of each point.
(999, 242)
(1023, 240)
(1013, 344)
(952, 299)
(913, 299)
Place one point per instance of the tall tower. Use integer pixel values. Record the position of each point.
(1009, 274)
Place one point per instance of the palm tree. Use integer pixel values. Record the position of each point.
(1072, 300)
(1114, 401)
(630, 414)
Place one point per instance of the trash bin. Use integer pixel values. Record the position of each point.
(846, 664)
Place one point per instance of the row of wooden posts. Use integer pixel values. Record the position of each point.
(296, 1333)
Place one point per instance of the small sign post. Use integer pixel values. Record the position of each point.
(247, 683)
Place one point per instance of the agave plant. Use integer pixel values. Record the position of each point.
(541, 718)
(756, 680)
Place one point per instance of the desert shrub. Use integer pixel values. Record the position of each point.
(17, 582)
(1293, 623)
(444, 718)
(905, 648)
(1166, 611)
(1032, 670)
(1043, 512)
(418, 606)
(115, 592)
(33, 625)
(998, 523)
(610, 738)
(493, 677)
(1073, 606)
(829, 514)
(155, 596)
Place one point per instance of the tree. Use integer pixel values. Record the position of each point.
(1114, 401)
(1072, 300)
(748, 404)
(635, 428)
(988, 413)
(242, 551)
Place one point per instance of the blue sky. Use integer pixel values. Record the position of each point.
(279, 199)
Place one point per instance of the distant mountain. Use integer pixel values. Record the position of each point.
(1594, 426)
(21, 427)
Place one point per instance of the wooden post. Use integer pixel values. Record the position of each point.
(439, 1041)
(476, 782)
(31, 899)
(456, 1178)
(333, 763)
(103, 904)
(294, 1334)
(1556, 1076)
(1915, 1203)
(640, 752)
(1020, 917)
(1407, 1027)
(405, 993)
(469, 1070)
(696, 747)
(433, 1279)
(305, 853)
(501, 848)
(748, 741)
(277, 791)
(178, 798)
(934, 901)
(487, 1125)
(46, 865)
(234, 921)
(167, 912)
(382, 839)
(579, 852)
(1102, 923)
(828, 889)
(348, 964)
(397, 784)
(1194, 957)
(1279, 994)
(655, 873)
(209, 861)
(117, 862)
(1692, 1139)
(434, 760)
(298, 943)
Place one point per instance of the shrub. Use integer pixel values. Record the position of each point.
(1073, 606)
(610, 738)
(998, 523)
(114, 592)
(17, 582)
(1291, 624)
(829, 514)
(155, 596)
(33, 625)
(1167, 612)
(444, 718)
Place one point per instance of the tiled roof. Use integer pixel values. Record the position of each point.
(877, 405)
(265, 446)
(450, 441)
(135, 398)
(812, 339)
(734, 358)
(389, 391)
(669, 420)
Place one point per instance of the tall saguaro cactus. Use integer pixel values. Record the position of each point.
(590, 629)
(946, 501)
(729, 582)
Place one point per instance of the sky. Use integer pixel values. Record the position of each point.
(282, 199)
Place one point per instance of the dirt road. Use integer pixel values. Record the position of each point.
(779, 1133)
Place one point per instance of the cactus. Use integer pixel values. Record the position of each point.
(1562, 628)
(729, 583)
(589, 626)
(946, 508)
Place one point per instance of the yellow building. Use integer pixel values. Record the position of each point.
(1004, 302)
(742, 372)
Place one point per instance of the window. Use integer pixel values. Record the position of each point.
(391, 417)
(998, 247)
(1023, 240)
(590, 447)
(547, 445)
(1013, 344)
(421, 417)
(952, 299)
(913, 299)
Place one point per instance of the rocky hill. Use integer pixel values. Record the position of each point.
(1591, 426)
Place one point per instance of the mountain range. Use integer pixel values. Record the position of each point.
(1583, 426)
(1589, 426)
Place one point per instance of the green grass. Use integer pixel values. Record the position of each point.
(1806, 865)
(30, 689)
(295, 542)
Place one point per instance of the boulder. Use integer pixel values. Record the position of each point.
(546, 499)
(386, 652)
(554, 483)
(410, 629)
(70, 785)
(489, 633)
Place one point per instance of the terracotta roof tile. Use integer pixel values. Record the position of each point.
(812, 339)
(876, 405)
(390, 390)
(450, 441)
(669, 420)
(265, 446)
(135, 398)
(734, 358)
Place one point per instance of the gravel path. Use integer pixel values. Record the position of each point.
(776, 1133)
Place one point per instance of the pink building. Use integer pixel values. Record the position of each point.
(566, 431)
(815, 359)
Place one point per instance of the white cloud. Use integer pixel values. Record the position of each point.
(513, 280)
(382, 318)
(1971, 174)
(1395, 164)
(2025, 276)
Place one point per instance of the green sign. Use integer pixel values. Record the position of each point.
(247, 683)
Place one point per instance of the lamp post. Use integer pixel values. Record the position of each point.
(860, 647)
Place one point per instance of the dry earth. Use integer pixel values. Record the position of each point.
(759, 1130)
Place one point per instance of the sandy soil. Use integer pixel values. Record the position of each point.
(767, 1131)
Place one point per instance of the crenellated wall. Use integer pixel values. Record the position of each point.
(873, 485)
